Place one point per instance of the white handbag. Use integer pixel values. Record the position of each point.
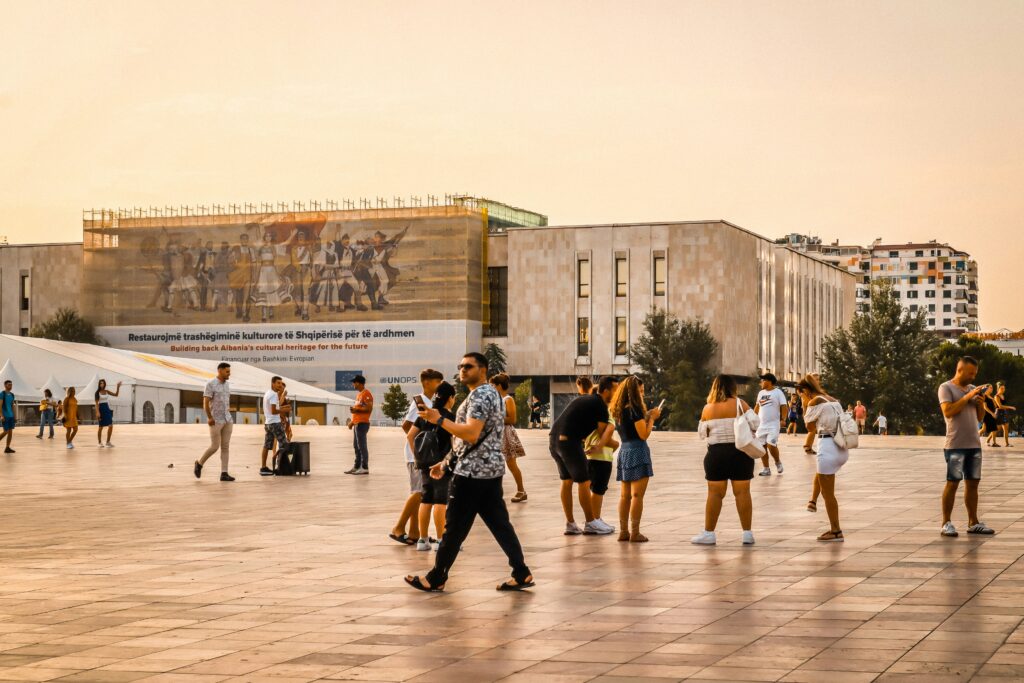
(846, 435)
(744, 435)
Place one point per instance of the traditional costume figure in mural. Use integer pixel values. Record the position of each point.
(380, 270)
(272, 289)
(350, 287)
(319, 289)
(243, 265)
(300, 272)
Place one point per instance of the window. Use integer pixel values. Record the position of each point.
(931, 279)
(26, 291)
(929, 294)
(931, 322)
(947, 266)
(960, 265)
(583, 278)
(497, 286)
(148, 413)
(867, 279)
(919, 253)
(946, 322)
(621, 276)
(896, 294)
(947, 280)
(169, 414)
(947, 294)
(894, 254)
(931, 308)
(583, 336)
(912, 294)
(931, 264)
(660, 275)
(913, 279)
(621, 337)
(947, 308)
(913, 265)
(913, 308)
(24, 332)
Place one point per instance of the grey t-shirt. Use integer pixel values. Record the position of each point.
(962, 428)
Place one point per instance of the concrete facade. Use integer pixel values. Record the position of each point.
(53, 275)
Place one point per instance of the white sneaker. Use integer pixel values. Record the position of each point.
(571, 529)
(110, 445)
(766, 472)
(595, 529)
(99, 445)
(423, 545)
(704, 538)
(70, 446)
(949, 530)
(778, 467)
(606, 525)
(748, 538)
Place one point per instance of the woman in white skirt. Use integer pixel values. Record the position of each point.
(821, 415)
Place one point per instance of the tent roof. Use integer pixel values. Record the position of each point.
(55, 387)
(72, 364)
(21, 388)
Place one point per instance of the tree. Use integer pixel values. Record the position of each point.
(884, 360)
(994, 365)
(496, 359)
(676, 362)
(396, 403)
(67, 325)
(522, 395)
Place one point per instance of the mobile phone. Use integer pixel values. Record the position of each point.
(419, 402)
(662, 404)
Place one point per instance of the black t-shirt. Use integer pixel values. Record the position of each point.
(580, 417)
(444, 437)
(626, 427)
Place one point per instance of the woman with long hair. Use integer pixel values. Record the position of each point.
(990, 422)
(724, 463)
(1003, 413)
(104, 413)
(69, 417)
(511, 445)
(47, 412)
(634, 424)
(821, 415)
(796, 413)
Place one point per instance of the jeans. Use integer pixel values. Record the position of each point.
(359, 431)
(220, 437)
(469, 498)
(46, 418)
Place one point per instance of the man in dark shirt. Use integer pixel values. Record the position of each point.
(581, 417)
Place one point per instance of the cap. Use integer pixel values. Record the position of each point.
(770, 377)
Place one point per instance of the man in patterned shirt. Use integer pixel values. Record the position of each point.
(217, 404)
(476, 487)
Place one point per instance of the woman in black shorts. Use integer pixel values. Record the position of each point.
(990, 427)
(724, 463)
(434, 496)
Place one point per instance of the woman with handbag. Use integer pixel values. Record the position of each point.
(725, 463)
(434, 495)
(822, 414)
(634, 424)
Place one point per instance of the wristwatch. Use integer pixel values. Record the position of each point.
(440, 421)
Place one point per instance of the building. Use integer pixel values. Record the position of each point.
(36, 280)
(1006, 340)
(324, 295)
(932, 277)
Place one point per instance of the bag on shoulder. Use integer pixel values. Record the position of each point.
(427, 451)
(846, 435)
(744, 435)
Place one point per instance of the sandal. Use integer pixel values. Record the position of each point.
(520, 497)
(808, 451)
(403, 539)
(638, 538)
(418, 584)
(514, 585)
(623, 536)
(812, 506)
(832, 537)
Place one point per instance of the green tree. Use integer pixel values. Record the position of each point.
(396, 403)
(994, 365)
(884, 359)
(675, 359)
(522, 396)
(496, 359)
(67, 325)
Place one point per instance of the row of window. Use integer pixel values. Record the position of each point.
(583, 336)
(913, 265)
(659, 272)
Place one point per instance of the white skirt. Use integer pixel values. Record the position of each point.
(831, 457)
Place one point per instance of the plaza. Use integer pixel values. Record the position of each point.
(117, 566)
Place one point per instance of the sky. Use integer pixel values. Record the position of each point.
(848, 120)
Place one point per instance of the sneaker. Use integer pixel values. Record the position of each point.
(949, 530)
(766, 472)
(980, 528)
(571, 529)
(8, 450)
(197, 470)
(748, 538)
(423, 545)
(604, 524)
(704, 538)
(39, 436)
(354, 470)
(110, 445)
(779, 467)
(70, 446)
(224, 476)
(594, 528)
(362, 470)
(99, 445)
(266, 472)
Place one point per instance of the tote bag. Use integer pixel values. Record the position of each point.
(744, 436)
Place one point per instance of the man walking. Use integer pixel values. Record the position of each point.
(273, 428)
(476, 484)
(8, 410)
(429, 381)
(217, 405)
(860, 414)
(584, 415)
(361, 425)
(771, 408)
(962, 408)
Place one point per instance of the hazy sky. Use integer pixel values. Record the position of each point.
(851, 120)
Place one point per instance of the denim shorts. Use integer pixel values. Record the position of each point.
(963, 463)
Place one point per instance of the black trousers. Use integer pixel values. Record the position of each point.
(469, 498)
(359, 445)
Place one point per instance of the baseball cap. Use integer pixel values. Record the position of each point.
(770, 377)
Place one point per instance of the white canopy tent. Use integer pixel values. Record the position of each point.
(55, 387)
(146, 378)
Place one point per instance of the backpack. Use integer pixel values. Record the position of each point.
(428, 451)
(283, 463)
(846, 435)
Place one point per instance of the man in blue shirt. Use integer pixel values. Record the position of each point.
(7, 409)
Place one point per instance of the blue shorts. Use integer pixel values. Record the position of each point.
(963, 463)
(8, 424)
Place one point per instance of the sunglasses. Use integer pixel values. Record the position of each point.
(467, 366)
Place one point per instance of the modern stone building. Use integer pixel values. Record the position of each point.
(36, 280)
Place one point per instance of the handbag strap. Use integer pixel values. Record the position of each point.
(739, 407)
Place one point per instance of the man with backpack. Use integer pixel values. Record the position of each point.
(8, 407)
(432, 445)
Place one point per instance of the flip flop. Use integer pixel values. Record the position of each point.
(515, 586)
(403, 539)
(418, 584)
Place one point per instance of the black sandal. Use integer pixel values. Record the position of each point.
(515, 585)
(403, 539)
(418, 584)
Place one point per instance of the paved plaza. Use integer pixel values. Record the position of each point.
(115, 566)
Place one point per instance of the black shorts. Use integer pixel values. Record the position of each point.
(600, 475)
(570, 458)
(435, 491)
(724, 462)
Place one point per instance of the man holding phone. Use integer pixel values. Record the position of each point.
(962, 407)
